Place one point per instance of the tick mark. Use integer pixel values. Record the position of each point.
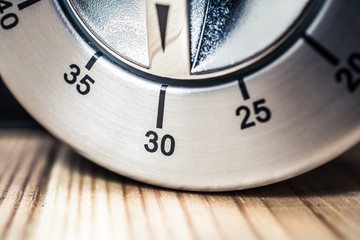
(26, 4)
(93, 60)
(332, 59)
(243, 89)
(161, 107)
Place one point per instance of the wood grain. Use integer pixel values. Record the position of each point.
(49, 192)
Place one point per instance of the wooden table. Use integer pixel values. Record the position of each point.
(50, 192)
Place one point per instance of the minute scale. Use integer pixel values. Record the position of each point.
(197, 95)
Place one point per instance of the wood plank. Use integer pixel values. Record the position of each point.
(49, 192)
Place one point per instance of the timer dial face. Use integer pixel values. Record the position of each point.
(196, 95)
(189, 39)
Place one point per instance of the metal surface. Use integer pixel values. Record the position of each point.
(169, 51)
(225, 35)
(314, 116)
(125, 32)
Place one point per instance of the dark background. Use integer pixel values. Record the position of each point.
(12, 115)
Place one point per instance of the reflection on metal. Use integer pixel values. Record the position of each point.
(119, 25)
(236, 31)
(217, 23)
(168, 37)
(201, 38)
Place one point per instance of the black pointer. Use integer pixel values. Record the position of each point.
(162, 11)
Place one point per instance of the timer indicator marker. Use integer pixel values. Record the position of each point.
(168, 37)
(162, 11)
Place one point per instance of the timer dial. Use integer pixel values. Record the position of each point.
(196, 95)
